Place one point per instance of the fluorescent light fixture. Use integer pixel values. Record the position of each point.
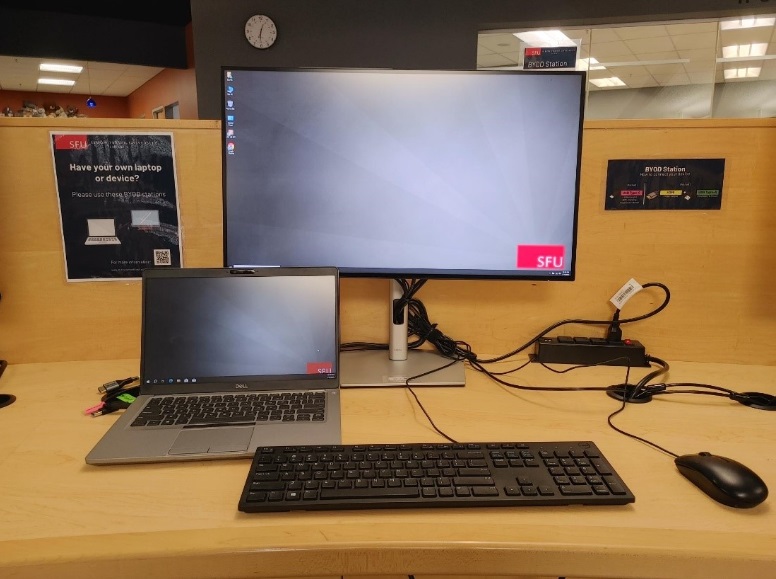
(56, 81)
(589, 64)
(545, 38)
(743, 50)
(53, 67)
(748, 22)
(607, 82)
(748, 72)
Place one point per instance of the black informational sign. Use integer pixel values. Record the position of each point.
(118, 203)
(550, 57)
(665, 184)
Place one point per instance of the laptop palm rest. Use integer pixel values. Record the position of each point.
(204, 440)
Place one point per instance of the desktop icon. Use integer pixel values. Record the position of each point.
(230, 133)
(230, 148)
(229, 89)
(229, 75)
(230, 104)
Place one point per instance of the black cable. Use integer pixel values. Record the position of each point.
(576, 367)
(496, 378)
(628, 434)
(419, 325)
(428, 416)
(757, 400)
(544, 332)
(510, 371)
(115, 385)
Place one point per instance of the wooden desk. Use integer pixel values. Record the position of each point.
(61, 518)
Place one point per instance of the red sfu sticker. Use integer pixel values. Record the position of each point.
(541, 256)
(319, 367)
(70, 142)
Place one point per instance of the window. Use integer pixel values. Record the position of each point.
(689, 69)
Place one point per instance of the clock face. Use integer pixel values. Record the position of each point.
(261, 31)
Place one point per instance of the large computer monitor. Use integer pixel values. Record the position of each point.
(403, 174)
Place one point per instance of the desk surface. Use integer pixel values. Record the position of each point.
(63, 518)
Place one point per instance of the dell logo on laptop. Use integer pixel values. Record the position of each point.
(243, 386)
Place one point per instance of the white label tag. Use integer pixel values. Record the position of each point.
(626, 292)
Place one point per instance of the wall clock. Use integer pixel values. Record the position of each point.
(260, 31)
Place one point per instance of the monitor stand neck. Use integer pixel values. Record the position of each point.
(378, 368)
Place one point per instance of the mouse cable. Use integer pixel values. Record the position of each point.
(495, 377)
(641, 387)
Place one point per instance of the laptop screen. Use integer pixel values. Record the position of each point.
(210, 325)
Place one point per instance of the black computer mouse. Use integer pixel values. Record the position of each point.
(725, 480)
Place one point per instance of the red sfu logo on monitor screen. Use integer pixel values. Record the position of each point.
(70, 142)
(319, 367)
(541, 256)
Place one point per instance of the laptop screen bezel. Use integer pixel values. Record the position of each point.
(240, 384)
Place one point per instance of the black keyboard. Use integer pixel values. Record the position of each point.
(203, 410)
(285, 478)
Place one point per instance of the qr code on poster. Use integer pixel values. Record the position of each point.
(162, 257)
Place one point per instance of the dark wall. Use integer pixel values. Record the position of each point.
(368, 34)
(43, 34)
(401, 33)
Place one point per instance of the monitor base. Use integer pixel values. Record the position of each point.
(373, 368)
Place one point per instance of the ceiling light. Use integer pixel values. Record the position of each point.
(607, 82)
(748, 72)
(589, 64)
(53, 67)
(742, 50)
(57, 81)
(545, 38)
(750, 22)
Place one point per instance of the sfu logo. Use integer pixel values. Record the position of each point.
(541, 256)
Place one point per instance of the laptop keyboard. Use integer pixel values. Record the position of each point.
(431, 475)
(233, 409)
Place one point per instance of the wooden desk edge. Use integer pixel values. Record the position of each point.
(234, 553)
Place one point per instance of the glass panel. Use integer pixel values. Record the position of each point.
(746, 68)
(691, 69)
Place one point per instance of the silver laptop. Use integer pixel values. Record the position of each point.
(101, 232)
(231, 359)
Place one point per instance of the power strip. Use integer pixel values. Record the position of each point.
(589, 351)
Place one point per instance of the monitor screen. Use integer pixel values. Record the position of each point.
(412, 174)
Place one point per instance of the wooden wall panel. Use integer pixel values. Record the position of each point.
(719, 265)
(45, 318)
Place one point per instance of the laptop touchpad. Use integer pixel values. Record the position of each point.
(204, 440)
